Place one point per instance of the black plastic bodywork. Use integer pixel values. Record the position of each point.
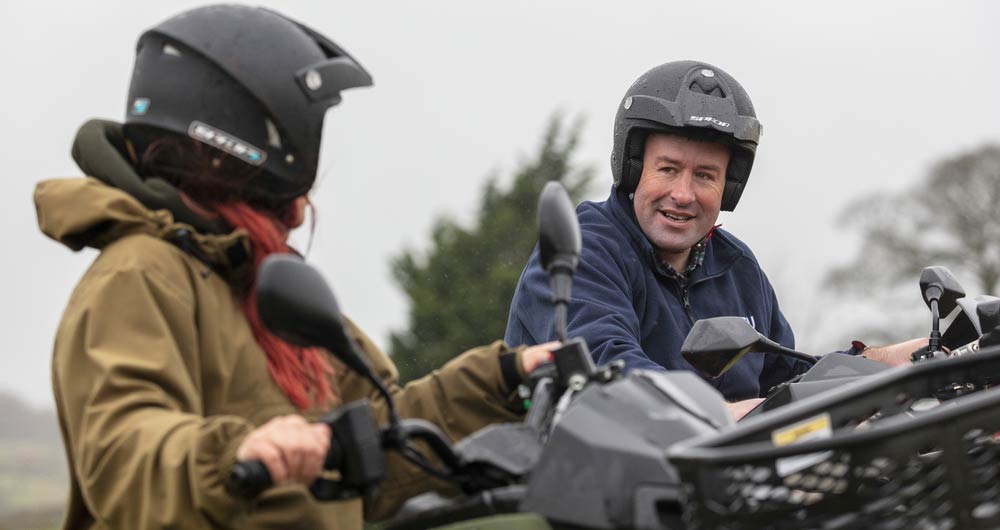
(968, 325)
(833, 370)
(604, 465)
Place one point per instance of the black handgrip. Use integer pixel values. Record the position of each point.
(249, 478)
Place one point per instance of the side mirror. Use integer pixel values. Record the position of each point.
(938, 283)
(558, 230)
(559, 246)
(941, 291)
(296, 304)
(714, 345)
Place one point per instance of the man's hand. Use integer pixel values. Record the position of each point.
(895, 354)
(292, 448)
(741, 408)
(537, 354)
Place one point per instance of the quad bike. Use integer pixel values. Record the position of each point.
(912, 447)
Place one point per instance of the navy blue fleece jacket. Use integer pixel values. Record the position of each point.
(627, 306)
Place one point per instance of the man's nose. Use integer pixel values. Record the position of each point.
(682, 191)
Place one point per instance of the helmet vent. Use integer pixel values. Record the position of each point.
(171, 50)
(273, 136)
(707, 86)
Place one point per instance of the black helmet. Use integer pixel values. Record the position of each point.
(246, 80)
(689, 98)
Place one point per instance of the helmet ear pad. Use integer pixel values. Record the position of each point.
(737, 172)
(635, 148)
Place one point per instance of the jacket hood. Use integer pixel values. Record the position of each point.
(85, 212)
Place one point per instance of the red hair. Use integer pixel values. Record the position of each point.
(216, 182)
(302, 373)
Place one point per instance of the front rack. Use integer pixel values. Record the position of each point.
(881, 453)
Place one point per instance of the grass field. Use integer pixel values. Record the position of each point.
(32, 520)
(33, 485)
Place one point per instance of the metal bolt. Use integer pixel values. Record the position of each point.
(313, 80)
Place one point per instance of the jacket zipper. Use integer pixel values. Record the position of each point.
(683, 285)
(687, 303)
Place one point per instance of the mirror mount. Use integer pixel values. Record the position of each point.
(940, 290)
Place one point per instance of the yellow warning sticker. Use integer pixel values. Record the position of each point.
(810, 429)
(815, 428)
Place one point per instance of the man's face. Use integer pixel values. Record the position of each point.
(679, 194)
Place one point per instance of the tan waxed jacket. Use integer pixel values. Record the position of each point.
(157, 379)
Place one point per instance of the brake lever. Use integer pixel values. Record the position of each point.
(418, 429)
(544, 370)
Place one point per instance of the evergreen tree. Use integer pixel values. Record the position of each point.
(460, 289)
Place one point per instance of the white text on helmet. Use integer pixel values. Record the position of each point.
(720, 123)
(226, 142)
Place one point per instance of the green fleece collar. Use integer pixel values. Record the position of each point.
(99, 150)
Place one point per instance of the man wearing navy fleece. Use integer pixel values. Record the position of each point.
(654, 261)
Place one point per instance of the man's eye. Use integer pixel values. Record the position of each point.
(705, 176)
(668, 169)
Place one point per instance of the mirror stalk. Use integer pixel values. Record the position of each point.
(934, 341)
(774, 347)
(561, 281)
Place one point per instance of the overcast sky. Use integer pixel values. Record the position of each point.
(855, 96)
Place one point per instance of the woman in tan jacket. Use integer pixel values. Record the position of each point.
(162, 371)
